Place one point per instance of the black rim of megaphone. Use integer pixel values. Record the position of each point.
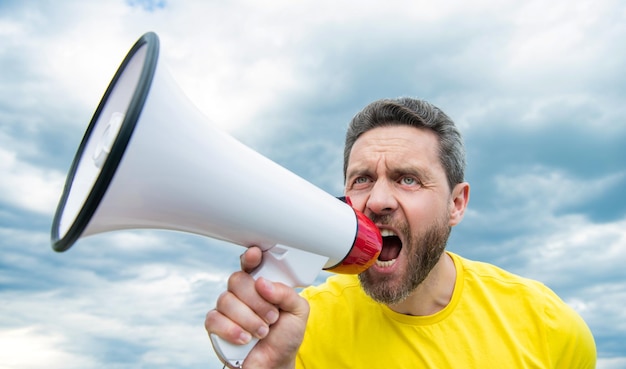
(151, 40)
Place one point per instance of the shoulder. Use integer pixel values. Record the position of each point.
(566, 335)
(494, 281)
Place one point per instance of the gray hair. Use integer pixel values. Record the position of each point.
(414, 113)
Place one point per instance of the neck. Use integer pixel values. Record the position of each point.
(432, 295)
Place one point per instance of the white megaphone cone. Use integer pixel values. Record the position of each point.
(150, 159)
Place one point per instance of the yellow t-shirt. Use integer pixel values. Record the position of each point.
(494, 320)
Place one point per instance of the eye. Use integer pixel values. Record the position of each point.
(409, 181)
(360, 182)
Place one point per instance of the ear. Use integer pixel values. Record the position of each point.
(458, 202)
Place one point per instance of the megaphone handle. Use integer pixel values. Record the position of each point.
(231, 355)
(287, 265)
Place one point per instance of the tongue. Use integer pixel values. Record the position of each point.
(391, 249)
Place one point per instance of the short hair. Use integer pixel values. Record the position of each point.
(415, 113)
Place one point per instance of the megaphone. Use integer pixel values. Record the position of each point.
(150, 159)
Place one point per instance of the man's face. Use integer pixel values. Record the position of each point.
(395, 177)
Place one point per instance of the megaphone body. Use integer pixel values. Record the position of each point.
(149, 159)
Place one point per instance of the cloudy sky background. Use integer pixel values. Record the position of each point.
(537, 88)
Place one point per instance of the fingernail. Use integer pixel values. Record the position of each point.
(271, 317)
(244, 337)
(262, 331)
(267, 284)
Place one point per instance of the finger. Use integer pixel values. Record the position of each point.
(243, 304)
(282, 296)
(241, 314)
(217, 323)
(281, 345)
(251, 259)
(242, 285)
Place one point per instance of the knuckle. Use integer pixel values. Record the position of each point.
(236, 279)
(223, 301)
(210, 321)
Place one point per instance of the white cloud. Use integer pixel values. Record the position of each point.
(562, 47)
(29, 187)
(98, 307)
(532, 201)
(543, 190)
(144, 327)
(577, 248)
(36, 347)
(546, 35)
(611, 363)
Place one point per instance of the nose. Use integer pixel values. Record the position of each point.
(381, 200)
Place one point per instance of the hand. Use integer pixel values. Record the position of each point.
(272, 312)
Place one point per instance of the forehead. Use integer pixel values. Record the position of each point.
(400, 144)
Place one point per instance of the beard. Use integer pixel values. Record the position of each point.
(423, 251)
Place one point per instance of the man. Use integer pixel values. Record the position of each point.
(418, 306)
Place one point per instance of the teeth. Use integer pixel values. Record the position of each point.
(385, 264)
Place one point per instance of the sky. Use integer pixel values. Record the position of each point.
(537, 89)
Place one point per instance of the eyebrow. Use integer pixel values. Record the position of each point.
(422, 174)
(359, 171)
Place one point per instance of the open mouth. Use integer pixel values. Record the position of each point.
(391, 248)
